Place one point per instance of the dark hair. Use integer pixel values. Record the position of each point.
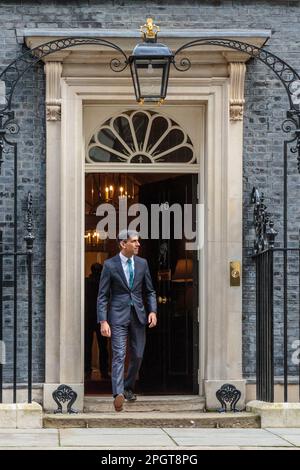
(96, 268)
(124, 235)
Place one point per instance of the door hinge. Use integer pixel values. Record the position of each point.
(198, 314)
(199, 377)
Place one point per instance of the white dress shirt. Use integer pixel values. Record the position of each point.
(125, 266)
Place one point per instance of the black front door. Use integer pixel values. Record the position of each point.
(170, 362)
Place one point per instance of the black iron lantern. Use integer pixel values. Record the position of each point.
(150, 65)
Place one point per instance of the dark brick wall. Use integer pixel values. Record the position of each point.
(265, 108)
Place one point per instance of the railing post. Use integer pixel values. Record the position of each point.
(271, 234)
(264, 259)
(1, 316)
(258, 328)
(270, 329)
(29, 238)
(264, 326)
(299, 317)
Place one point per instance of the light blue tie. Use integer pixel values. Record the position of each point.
(130, 270)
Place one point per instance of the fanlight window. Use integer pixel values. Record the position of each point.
(140, 137)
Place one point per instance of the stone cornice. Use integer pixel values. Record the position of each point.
(261, 35)
(127, 39)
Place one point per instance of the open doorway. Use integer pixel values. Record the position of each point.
(170, 362)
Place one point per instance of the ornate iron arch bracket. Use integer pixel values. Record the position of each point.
(14, 72)
(288, 76)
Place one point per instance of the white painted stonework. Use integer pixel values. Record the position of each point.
(276, 415)
(207, 87)
(21, 416)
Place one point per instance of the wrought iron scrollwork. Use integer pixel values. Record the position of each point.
(8, 126)
(16, 69)
(292, 125)
(265, 233)
(286, 74)
(228, 394)
(183, 65)
(29, 237)
(63, 394)
(117, 65)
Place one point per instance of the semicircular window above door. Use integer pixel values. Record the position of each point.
(140, 137)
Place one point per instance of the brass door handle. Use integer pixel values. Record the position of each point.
(162, 300)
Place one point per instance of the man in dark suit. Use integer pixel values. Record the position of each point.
(121, 312)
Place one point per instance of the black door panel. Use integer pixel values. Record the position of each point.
(171, 357)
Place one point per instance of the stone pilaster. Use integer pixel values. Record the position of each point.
(53, 247)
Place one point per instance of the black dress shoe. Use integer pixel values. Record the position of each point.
(129, 395)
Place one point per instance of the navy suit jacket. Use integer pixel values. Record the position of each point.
(115, 297)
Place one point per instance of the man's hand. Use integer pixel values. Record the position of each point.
(152, 319)
(105, 329)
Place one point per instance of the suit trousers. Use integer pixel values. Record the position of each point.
(136, 334)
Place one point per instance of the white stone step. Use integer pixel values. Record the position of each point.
(153, 420)
(163, 403)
